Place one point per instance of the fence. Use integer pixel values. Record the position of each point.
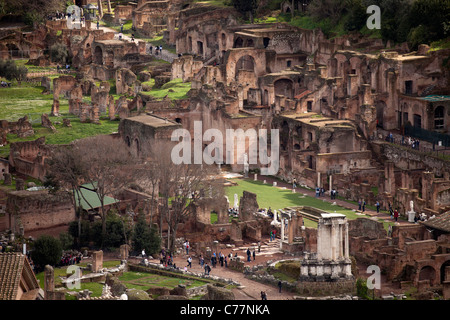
(430, 136)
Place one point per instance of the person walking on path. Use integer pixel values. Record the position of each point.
(248, 255)
(378, 207)
(254, 254)
(189, 261)
(207, 269)
(279, 286)
(359, 205)
(363, 205)
(294, 183)
(396, 215)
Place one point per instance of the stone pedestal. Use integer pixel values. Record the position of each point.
(411, 216)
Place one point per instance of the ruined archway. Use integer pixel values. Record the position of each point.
(445, 275)
(98, 55)
(238, 43)
(284, 87)
(246, 63)
(427, 273)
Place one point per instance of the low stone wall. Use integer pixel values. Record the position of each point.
(326, 288)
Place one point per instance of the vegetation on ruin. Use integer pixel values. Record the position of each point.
(175, 89)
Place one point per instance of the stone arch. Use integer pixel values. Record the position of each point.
(233, 56)
(443, 273)
(238, 43)
(246, 62)
(98, 55)
(285, 87)
(427, 273)
(224, 40)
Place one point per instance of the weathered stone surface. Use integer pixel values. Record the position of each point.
(218, 293)
(135, 294)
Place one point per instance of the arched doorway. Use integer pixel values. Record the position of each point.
(427, 273)
(284, 87)
(445, 274)
(98, 55)
(245, 63)
(238, 43)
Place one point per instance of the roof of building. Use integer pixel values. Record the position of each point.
(441, 222)
(435, 98)
(88, 199)
(153, 121)
(13, 267)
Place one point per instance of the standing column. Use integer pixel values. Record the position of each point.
(333, 241)
(341, 241)
(331, 183)
(347, 253)
(282, 233)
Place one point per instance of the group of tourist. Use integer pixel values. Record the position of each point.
(157, 49)
(233, 212)
(320, 192)
(70, 258)
(166, 259)
(411, 142)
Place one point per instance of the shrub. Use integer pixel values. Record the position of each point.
(46, 250)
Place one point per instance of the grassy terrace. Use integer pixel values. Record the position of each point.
(278, 198)
(28, 100)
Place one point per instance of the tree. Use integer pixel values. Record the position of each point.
(46, 250)
(64, 173)
(180, 187)
(11, 71)
(246, 7)
(145, 237)
(32, 11)
(107, 166)
(59, 53)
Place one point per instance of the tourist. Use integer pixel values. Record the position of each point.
(259, 246)
(396, 215)
(270, 235)
(263, 295)
(363, 205)
(254, 254)
(248, 255)
(317, 192)
(207, 269)
(121, 27)
(279, 286)
(226, 261)
(378, 206)
(151, 49)
(189, 261)
(294, 183)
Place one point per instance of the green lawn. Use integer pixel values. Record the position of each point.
(277, 198)
(19, 101)
(175, 89)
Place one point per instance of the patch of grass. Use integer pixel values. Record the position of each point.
(19, 101)
(277, 198)
(175, 90)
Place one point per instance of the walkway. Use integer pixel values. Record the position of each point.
(249, 289)
(164, 55)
